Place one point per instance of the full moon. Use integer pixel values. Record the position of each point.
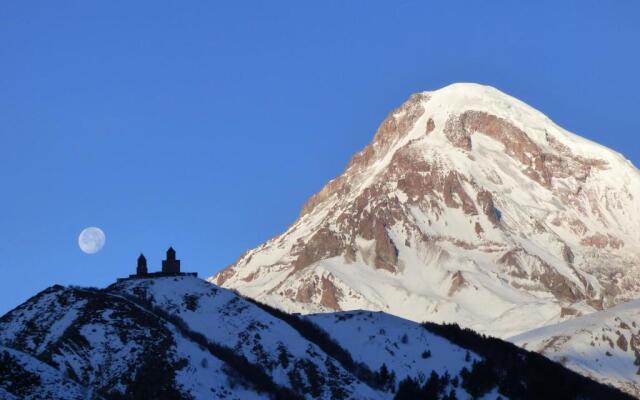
(91, 240)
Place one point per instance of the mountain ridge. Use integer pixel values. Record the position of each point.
(183, 338)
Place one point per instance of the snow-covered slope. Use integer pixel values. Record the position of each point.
(469, 206)
(25, 377)
(181, 337)
(227, 319)
(115, 347)
(406, 348)
(603, 345)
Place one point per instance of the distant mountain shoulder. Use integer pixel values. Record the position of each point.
(603, 345)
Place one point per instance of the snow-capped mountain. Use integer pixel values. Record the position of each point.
(469, 206)
(604, 345)
(179, 337)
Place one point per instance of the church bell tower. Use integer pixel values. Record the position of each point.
(171, 265)
(141, 270)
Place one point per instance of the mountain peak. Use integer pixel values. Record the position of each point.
(466, 93)
(465, 196)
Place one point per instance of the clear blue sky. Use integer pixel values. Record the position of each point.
(206, 126)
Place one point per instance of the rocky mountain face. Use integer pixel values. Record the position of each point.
(468, 206)
(604, 345)
(184, 338)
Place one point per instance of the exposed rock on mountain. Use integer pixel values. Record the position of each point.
(468, 206)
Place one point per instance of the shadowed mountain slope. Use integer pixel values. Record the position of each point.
(184, 338)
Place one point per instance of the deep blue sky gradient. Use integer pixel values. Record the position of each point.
(206, 125)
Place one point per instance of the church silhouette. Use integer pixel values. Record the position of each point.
(170, 267)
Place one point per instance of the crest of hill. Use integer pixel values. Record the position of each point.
(181, 337)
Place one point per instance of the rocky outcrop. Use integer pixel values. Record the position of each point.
(386, 250)
(600, 241)
(323, 244)
(430, 126)
(485, 199)
(330, 295)
(457, 283)
(622, 342)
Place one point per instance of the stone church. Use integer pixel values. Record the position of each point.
(170, 267)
